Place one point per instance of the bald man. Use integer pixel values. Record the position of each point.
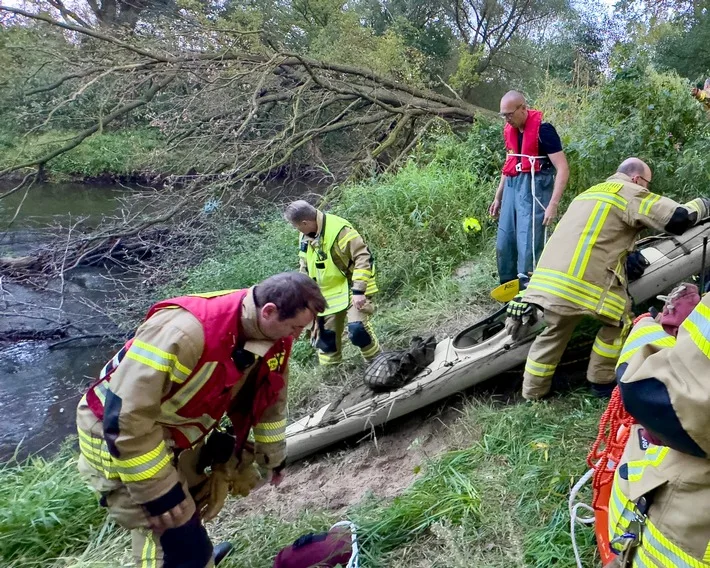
(534, 155)
(582, 271)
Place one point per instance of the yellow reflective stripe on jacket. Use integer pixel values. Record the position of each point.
(539, 369)
(588, 239)
(149, 552)
(697, 324)
(706, 557)
(159, 360)
(191, 388)
(655, 550)
(95, 452)
(371, 288)
(270, 432)
(693, 206)
(578, 291)
(654, 456)
(362, 274)
(647, 203)
(606, 187)
(652, 334)
(349, 236)
(615, 200)
(101, 390)
(608, 350)
(144, 466)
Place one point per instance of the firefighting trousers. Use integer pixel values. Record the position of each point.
(360, 334)
(182, 544)
(514, 243)
(548, 347)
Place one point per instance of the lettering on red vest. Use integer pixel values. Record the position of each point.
(221, 324)
(515, 165)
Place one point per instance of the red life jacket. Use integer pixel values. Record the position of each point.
(515, 165)
(221, 323)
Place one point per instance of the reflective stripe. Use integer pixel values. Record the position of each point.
(349, 236)
(648, 202)
(693, 206)
(371, 288)
(362, 274)
(371, 350)
(101, 390)
(654, 457)
(337, 302)
(149, 552)
(608, 350)
(588, 239)
(539, 369)
(706, 556)
(144, 466)
(615, 200)
(270, 432)
(95, 452)
(159, 360)
(697, 324)
(191, 388)
(651, 334)
(113, 363)
(325, 359)
(578, 292)
(606, 187)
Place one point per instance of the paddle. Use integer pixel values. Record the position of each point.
(506, 292)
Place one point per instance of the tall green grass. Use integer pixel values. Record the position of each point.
(46, 511)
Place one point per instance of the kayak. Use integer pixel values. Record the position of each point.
(479, 352)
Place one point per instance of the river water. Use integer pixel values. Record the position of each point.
(40, 385)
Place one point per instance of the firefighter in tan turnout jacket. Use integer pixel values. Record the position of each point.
(658, 513)
(142, 426)
(582, 270)
(334, 254)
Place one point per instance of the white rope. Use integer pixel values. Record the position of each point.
(354, 561)
(532, 160)
(575, 517)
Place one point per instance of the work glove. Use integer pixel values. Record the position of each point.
(678, 305)
(235, 477)
(519, 313)
(636, 264)
(701, 205)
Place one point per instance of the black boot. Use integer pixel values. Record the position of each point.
(220, 551)
(602, 391)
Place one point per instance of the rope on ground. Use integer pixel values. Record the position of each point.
(574, 516)
(354, 561)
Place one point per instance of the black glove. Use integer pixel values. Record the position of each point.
(636, 264)
(517, 308)
(519, 313)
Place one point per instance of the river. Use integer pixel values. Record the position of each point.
(40, 385)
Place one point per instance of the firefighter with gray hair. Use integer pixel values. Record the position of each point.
(333, 253)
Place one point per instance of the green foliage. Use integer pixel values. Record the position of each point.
(639, 112)
(46, 510)
(684, 48)
(123, 152)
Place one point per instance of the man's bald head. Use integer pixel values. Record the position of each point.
(514, 109)
(637, 170)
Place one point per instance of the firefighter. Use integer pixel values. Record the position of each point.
(524, 213)
(334, 254)
(658, 513)
(582, 271)
(142, 424)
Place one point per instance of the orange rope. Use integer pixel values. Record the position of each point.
(608, 444)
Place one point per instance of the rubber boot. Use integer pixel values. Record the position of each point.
(220, 551)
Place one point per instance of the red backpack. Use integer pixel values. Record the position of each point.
(337, 547)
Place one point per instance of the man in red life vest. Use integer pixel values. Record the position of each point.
(539, 156)
(142, 426)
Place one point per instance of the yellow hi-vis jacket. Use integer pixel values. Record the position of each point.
(339, 260)
(664, 385)
(582, 269)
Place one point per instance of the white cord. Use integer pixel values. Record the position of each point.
(355, 555)
(574, 518)
(532, 160)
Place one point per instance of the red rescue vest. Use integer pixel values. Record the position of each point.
(221, 324)
(515, 165)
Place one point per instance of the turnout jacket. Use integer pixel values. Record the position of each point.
(582, 269)
(663, 383)
(193, 360)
